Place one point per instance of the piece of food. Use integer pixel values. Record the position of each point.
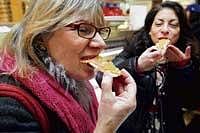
(162, 44)
(105, 65)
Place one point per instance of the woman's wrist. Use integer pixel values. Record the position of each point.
(181, 64)
(102, 127)
(137, 68)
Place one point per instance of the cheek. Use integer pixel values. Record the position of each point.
(153, 36)
(154, 33)
(175, 36)
(174, 39)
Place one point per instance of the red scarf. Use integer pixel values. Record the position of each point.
(43, 86)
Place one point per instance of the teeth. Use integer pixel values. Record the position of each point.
(84, 61)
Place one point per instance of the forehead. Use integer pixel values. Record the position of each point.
(94, 19)
(166, 14)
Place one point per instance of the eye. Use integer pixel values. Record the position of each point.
(158, 24)
(173, 25)
(85, 29)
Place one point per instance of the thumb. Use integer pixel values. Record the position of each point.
(106, 85)
(188, 52)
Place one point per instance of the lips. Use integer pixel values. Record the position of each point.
(87, 58)
(162, 38)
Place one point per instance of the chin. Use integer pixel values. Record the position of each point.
(84, 76)
(89, 76)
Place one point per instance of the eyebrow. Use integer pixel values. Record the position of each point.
(169, 20)
(82, 21)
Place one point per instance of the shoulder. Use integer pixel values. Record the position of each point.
(17, 107)
(15, 117)
(10, 106)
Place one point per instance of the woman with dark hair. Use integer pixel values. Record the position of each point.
(164, 88)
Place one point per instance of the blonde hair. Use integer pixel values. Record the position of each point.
(44, 17)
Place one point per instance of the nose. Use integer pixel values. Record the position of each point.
(98, 41)
(165, 29)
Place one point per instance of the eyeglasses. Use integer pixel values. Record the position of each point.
(89, 31)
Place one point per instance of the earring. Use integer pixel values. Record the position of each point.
(42, 47)
(150, 33)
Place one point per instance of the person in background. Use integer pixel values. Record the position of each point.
(44, 83)
(165, 88)
(193, 11)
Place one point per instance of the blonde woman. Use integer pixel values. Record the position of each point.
(44, 84)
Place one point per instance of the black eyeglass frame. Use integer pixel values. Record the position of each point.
(77, 26)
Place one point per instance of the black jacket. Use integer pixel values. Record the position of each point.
(180, 90)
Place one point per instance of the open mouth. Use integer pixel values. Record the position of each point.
(87, 60)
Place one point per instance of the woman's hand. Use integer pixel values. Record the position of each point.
(113, 109)
(175, 55)
(149, 59)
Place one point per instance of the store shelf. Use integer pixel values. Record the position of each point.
(11, 11)
(116, 18)
(7, 24)
(114, 1)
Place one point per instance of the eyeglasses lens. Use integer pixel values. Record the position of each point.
(87, 31)
(104, 32)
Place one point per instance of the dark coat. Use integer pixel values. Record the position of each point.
(180, 90)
